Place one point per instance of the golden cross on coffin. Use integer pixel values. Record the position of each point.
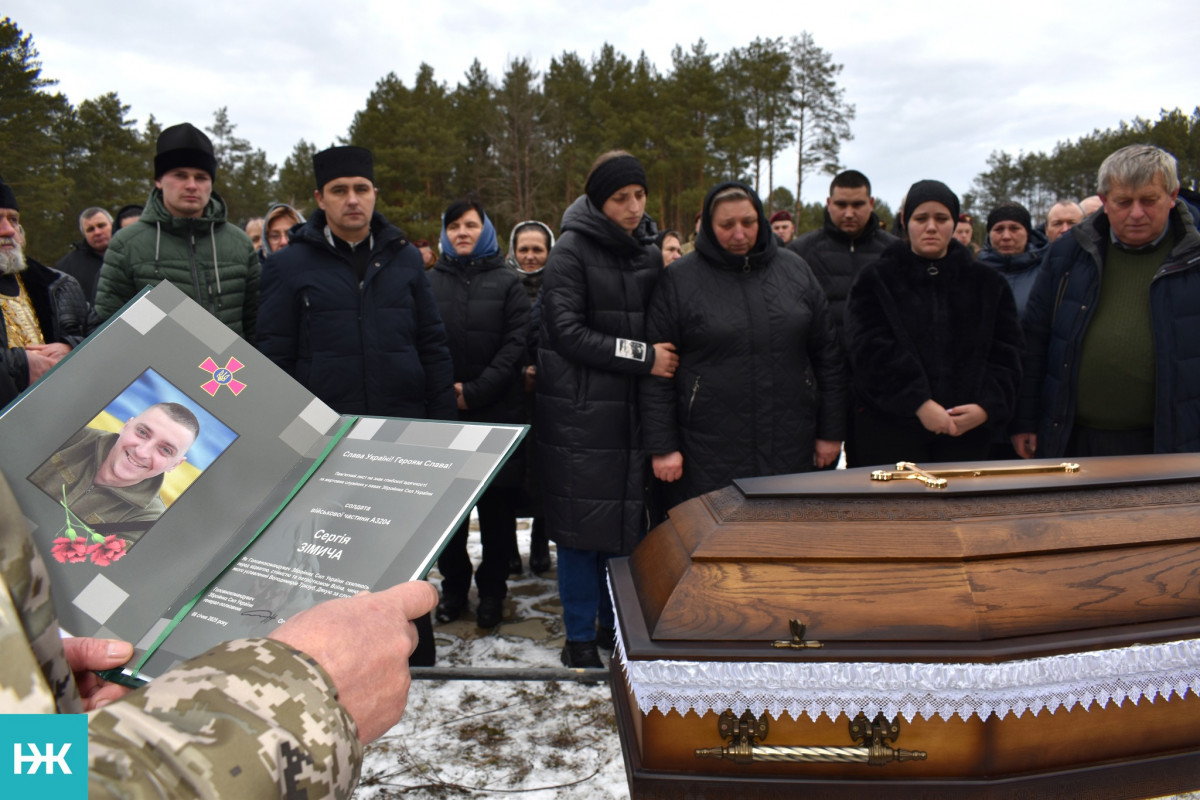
(938, 478)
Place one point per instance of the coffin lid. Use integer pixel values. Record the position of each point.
(988, 568)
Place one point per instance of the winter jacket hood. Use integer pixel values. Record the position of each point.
(274, 211)
(1019, 262)
(766, 244)
(583, 217)
(512, 246)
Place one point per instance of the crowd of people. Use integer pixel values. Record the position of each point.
(651, 369)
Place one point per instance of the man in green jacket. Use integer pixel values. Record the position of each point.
(183, 237)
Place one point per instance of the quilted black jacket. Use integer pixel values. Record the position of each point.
(760, 377)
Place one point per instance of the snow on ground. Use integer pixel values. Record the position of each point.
(488, 739)
(484, 739)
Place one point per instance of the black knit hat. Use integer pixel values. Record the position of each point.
(7, 198)
(1014, 212)
(184, 145)
(612, 175)
(926, 191)
(343, 162)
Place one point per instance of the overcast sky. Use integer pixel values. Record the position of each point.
(937, 85)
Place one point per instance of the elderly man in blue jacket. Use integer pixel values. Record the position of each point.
(1111, 352)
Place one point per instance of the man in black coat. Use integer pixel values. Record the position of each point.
(851, 239)
(87, 255)
(346, 309)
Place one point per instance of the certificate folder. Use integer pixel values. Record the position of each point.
(278, 504)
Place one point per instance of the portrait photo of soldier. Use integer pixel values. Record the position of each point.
(120, 473)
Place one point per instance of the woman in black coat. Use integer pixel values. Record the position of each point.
(528, 250)
(486, 313)
(934, 344)
(760, 382)
(592, 349)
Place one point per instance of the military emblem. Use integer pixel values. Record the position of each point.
(222, 376)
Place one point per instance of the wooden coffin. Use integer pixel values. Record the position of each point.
(1008, 635)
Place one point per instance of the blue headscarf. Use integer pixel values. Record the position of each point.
(486, 245)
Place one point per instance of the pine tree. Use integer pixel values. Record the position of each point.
(296, 181)
(245, 178)
(520, 144)
(31, 121)
(821, 115)
(102, 158)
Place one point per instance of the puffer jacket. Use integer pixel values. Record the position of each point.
(836, 259)
(1020, 270)
(592, 349)
(945, 330)
(760, 376)
(1056, 320)
(211, 260)
(377, 348)
(63, 315)
(486, 314)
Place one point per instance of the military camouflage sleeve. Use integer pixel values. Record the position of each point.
(28, 625)
(249, 718)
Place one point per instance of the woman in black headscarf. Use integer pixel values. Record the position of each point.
(486, 313)
(760, 384)
(934, 343)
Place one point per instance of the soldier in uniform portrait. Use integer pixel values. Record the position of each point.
(107, 477)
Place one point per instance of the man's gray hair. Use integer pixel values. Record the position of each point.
(1058, 203)
(1136, 166)
(90, 212)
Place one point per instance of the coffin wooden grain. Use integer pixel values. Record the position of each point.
(991, 570)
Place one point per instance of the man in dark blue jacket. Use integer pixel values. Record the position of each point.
(1111, 349)
(347, 310)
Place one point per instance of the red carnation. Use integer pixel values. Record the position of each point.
(72, 550)
(110, 550)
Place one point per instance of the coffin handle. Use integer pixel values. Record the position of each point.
(743, 736)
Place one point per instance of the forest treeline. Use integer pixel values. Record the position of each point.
(1037, 180)
(522, 140)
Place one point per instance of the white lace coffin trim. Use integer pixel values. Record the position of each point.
(1126, 674)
